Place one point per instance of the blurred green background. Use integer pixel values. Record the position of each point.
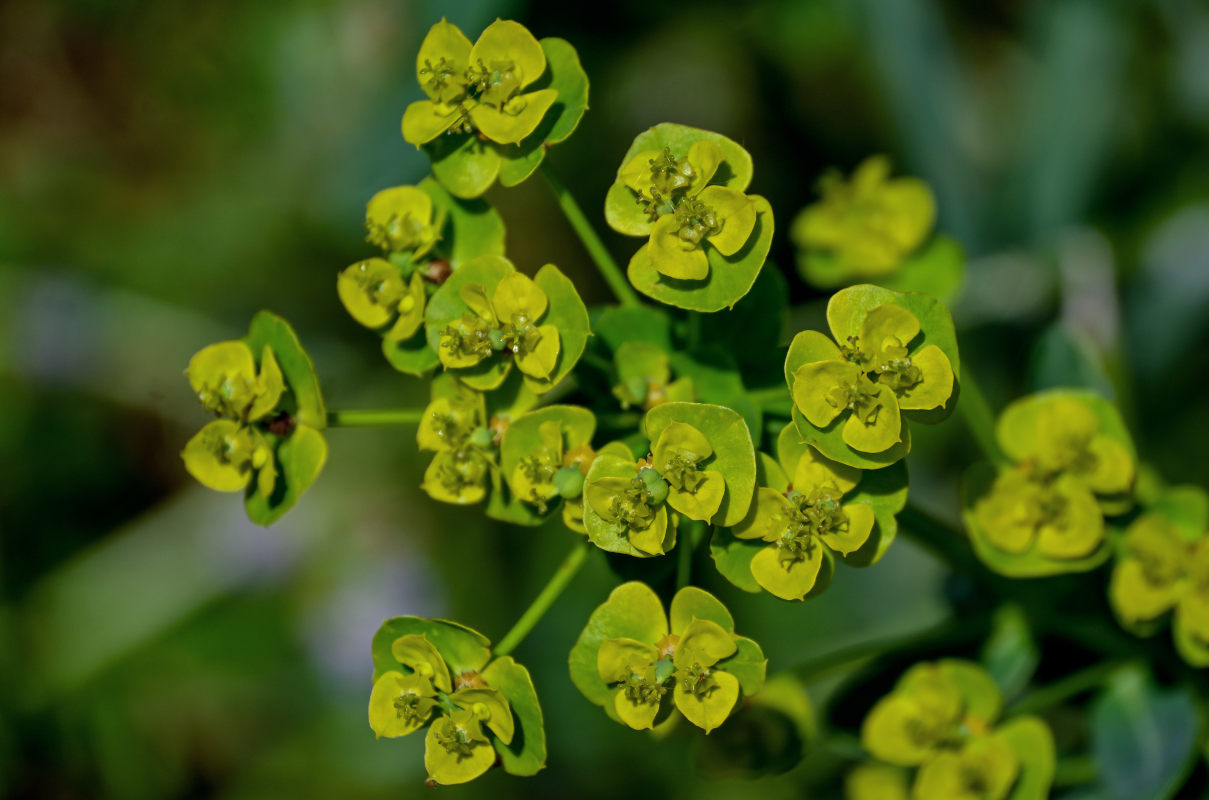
(166, 169)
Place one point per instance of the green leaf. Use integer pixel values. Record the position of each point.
(523, 436)
(729, 279)
(1187, 507)
(300, 458)
(632, 611)
(1029, 564)
(748, 664)
(269, 329)
(472, 228)
(1010, 653)
(565, 75)
(1066, 358)
(734, 455)
(568, 314)
(693, 603)
(885, 490)
(847, 309)
(519, 161)
(937, 268)
(830, 442)
(732, 556)
(615, 325)
(464, 164)
(716, 380)
(462, 648)
(1144, 738)
(526, 753)
(1032, 742)
(412, 357)
(767, 735)
(754, 331)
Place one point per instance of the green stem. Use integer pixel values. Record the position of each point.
(1077, 683)
(541, 604)
(365, 418)
(974, 410)
(591, 241)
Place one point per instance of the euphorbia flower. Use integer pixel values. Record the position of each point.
(454, 427)
(1066, 437)
(926, 712)
(224, 456)
(684, 661)
(984, 768)
(871, 223)
(506, 322)
(636, 505)
(1160, 571)
(686, 213)
(1059, 515)
(678, 456)
(871, 378)
(800, 523)
(478, 87)
(375, 293)
(404, 220)
(225, 379)
(457, 749)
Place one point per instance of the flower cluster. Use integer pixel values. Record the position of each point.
(683, 189)
(1162, 569)
(701, 457)
(441, 676)
(941, 717)
(498, 102)
(639, 663)
(1070, 463)
(896, 356)
(864, 228)
(266, 439)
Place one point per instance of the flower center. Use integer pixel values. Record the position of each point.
(858, 396)
(696, 680)
(409, 708)
(696, 221)
(812, 516)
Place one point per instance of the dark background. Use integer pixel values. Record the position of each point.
(166, 169)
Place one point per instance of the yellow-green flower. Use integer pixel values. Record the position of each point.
(869, 224)
(1058, 515)
(872, 781)
(402, 219)
(924, 713)
(506, 322)
(635, 505)
(457, 748)
(687, 214)
(800, 524)
(984, 768)
(226, 381)
(1160, 571)
(454, 427)
(683, 661)
(551, 471)
(479, 87)
(376, 295)
(225, 455)
(1061, 434)
(678, 456)
(867, 381)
